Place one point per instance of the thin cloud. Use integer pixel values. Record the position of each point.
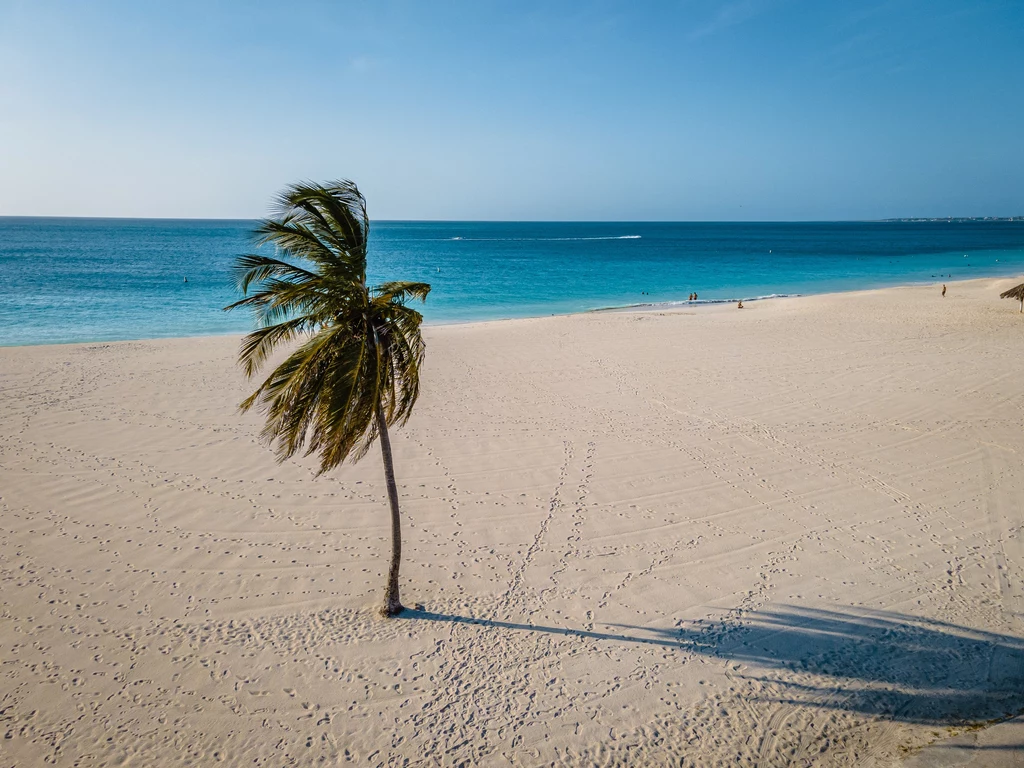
(730, 15)
(361, 64)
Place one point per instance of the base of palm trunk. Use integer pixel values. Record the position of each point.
(391, 608)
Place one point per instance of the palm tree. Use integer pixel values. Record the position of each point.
(357, 369)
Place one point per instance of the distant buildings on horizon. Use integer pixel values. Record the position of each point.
(958, 219)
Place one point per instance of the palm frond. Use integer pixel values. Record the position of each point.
(348, 427)
(296, 239)
(362, 348)
(279, 299)
(335, 214)
(401, 291)
(261, 343)
(406, 354)
(252, 268)
(289, 394)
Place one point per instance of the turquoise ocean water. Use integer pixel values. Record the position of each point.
(68, 280)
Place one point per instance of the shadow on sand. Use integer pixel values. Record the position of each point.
(876, 663)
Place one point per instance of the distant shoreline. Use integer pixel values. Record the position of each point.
(662, 306)
(951, 219)
(682, 304)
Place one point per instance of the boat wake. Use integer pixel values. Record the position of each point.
(541, 239)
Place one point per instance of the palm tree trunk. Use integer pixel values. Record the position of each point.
(392, 604)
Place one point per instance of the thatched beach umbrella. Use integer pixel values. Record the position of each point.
(1015, 293)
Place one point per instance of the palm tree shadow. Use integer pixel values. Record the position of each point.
(874, 662)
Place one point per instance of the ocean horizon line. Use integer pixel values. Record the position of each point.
(1012, 219)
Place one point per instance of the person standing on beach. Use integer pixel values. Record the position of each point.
(943, 290)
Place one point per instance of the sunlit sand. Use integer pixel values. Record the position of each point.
(787, 535)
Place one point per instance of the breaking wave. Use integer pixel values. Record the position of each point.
(698, 302)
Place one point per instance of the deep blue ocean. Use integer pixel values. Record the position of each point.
(67, 280)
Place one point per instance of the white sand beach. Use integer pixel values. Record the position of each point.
(784, 535)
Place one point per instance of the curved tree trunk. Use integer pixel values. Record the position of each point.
(392, 604)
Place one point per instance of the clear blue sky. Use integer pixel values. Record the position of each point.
(692, 110)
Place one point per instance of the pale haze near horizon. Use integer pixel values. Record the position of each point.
(746, 110)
